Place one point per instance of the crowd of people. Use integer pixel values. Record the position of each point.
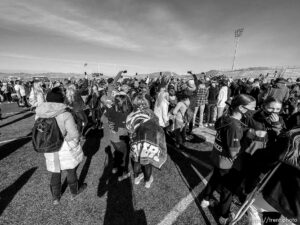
(247, 114)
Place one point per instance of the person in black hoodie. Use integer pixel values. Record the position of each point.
(213, 92)
(225, 150)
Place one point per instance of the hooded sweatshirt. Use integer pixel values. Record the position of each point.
(227, 142)
(280, 92)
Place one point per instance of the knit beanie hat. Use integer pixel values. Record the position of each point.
(110, 80)
(55, 95)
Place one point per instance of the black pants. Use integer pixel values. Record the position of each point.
(146, 169)
(24, 101)
(7, 97)
(179, 135)
(217, 179)
(211, 113)
(121, 155)
(95, 116)
(56, 177)
(81, 121)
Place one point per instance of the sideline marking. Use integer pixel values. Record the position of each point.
(16, 113)
(14, 139)
(184, 203)
(200, 175)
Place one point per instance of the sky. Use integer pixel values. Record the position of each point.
(146, 36)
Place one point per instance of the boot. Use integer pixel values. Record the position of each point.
(75, 190)
(56, 193)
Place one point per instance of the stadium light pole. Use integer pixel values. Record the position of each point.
(237, 34)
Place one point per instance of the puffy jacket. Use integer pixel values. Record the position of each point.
(161, 110)
(63, 159)
(222, 97)
(36, 98)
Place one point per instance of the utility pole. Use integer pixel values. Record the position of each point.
(237, 34)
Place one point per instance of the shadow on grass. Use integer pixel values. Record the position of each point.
(119, 208)
(12, 146)
(90, 148)
(17, 120)
(8, 194)
(18, 113)
(189, 169)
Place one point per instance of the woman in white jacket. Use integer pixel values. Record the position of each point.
(222, 98)
(70, 154)
(37, 96)
(161, 108)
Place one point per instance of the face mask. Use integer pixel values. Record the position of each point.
(243, 112)
(266, 113)
(249, 112)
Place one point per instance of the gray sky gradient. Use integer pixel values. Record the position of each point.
(146, 36)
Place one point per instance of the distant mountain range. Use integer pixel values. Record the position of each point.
(293, 72)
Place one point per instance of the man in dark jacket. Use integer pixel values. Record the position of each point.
(279, 91)
(213, 92)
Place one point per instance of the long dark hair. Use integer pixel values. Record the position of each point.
(140, 102)
(239, 100)
(123, 104)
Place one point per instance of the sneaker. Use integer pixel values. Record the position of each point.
(228, 220)
(200, 125)
(55, 202)
(211, 124)
(124, 176)
(149, 182)
(206, 125)
(138, 179)
(114, 170)
(204, 204)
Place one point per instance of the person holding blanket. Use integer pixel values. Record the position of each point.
(119, 138)
(148, 143)
(70, 154)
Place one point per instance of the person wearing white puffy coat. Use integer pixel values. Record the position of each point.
(221, 101)
(36, 96)
(161, 108)
(70, 154)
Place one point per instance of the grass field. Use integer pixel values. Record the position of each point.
(25, 196)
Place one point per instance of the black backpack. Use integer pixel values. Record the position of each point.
(46, 135)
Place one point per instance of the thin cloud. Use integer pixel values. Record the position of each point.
(64, 61)
(37, 17)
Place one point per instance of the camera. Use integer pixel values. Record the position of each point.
(190, 72)
(124, 71)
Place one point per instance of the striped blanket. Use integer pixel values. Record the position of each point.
(148, 142)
